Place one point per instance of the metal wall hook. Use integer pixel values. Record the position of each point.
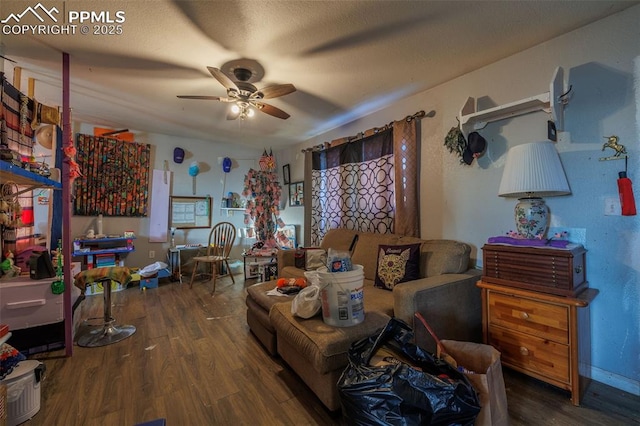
(612, 142)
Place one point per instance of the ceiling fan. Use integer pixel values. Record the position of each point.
(245, 95)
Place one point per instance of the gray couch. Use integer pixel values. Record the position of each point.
(446, 296)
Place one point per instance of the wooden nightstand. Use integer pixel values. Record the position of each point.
(542, 335)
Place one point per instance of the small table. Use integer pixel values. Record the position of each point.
(174, 257)
(110, 332)
(255, 260)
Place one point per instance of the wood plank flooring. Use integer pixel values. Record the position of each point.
(193, 361)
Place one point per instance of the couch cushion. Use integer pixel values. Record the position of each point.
(397, 264)
(441, 256)
(339, 239)
(258, 293)
(323, 346)
(366, 251)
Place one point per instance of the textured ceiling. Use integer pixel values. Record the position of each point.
(346, 58)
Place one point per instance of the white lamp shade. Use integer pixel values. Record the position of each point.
(533, 170)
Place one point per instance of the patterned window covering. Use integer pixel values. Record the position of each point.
(353, 187)
(368, 184)
(114, 177)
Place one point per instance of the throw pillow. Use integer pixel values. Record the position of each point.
(397, 264)
(9, 358)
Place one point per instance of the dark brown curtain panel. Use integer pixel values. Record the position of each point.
(407, 162)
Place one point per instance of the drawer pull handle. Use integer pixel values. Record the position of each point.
(578, 269)
(524, 315)
(524, 351)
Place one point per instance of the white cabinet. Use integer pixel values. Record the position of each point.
(551, 102)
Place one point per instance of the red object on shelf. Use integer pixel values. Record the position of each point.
(4, 329)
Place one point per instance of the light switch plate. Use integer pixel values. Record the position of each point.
(612, 206)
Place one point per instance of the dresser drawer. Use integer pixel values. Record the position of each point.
(540, 319)
(539, 356)
(555, 271)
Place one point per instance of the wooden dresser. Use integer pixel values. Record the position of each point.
(543, 335)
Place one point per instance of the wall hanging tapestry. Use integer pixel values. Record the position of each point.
(114, 177)
(263, 192)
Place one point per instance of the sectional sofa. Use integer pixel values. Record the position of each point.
(445, 294)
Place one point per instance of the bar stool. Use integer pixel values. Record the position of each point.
(110, 332)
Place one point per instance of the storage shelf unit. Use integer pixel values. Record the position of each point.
(550, 102)
(96, 246)
(27, 181)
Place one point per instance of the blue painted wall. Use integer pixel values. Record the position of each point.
(602, 62)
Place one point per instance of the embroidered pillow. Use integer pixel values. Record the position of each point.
(397, 264)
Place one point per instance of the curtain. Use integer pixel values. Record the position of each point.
(353, 187)
(367, 184)
(407, 182)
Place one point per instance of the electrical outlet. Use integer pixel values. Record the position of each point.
(612, 206)
(152, 254)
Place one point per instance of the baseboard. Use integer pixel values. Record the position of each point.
(614, 380)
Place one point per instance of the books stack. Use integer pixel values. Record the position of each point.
(105, 260)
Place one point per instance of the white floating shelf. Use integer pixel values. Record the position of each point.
(550, 102)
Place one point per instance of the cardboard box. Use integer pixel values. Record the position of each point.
(96, 288)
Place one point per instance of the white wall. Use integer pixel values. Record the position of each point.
(461, 202)
(210, 181)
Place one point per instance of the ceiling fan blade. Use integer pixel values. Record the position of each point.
(207, 98)
(270, 109)
(223, 79)
(275, 91)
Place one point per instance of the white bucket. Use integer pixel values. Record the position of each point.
(342, 295)
(23, 391)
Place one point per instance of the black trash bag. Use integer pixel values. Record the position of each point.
(405, 385)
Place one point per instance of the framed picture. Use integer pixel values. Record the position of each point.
(296, 194)
(190, 212)
(286, 174)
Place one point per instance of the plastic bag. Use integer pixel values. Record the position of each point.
(391, 381)
(338, 261)
(307, 302)
(151, 270)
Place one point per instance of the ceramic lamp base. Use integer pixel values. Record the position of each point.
(532, 217)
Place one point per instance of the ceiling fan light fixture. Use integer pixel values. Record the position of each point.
(243, 95)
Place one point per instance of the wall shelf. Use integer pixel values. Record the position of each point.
(90, 247)
(25, 178)
(472, 120)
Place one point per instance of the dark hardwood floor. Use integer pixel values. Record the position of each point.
(193, 361)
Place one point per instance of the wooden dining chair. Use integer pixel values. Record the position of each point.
(221, 239)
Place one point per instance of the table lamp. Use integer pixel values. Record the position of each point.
(532, 171)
